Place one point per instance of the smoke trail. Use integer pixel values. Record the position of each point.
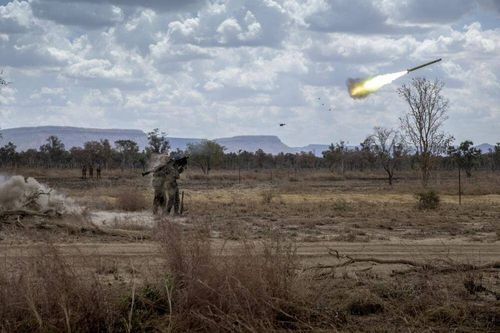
(361, 88)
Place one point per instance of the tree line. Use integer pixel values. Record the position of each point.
(382, 150)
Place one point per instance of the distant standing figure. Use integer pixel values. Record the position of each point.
(98, 171)
(84, 171)
(91, 171)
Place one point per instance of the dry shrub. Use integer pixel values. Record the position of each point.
(131, 201)
(46, 293)
(428, 200)
(437, 301)
(250, 290)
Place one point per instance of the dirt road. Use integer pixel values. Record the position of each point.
(311, 252)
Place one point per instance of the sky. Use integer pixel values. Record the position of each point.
(210, 69)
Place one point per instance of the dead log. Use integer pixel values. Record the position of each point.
(448, 266)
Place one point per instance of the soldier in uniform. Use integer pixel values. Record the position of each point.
(84, 171)
(91, 171)
(165, 177)
(98, 171)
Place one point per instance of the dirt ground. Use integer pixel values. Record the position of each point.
(328, 218)
(355, 214)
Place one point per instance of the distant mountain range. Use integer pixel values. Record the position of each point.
(485, 147)
(33, 137)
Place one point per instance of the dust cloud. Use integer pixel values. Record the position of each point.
(18, 192)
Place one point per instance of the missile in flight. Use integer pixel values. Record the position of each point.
(426, 64)
(360, 88)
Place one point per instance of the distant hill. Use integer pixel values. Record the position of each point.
(485, 147)
(33, 137)
(268, 143)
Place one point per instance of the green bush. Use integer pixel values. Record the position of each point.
(428, 200)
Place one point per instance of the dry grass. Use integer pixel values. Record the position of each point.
(251, 289)
(47, 293)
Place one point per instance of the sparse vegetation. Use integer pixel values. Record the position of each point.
(428, 200)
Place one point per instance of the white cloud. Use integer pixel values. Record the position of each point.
(220, 68)
(7, 96)
(15, 17)
(228, 30)
(78, 14)
(254, 29)
(97, 68)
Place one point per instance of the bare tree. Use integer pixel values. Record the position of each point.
(388, 145)
(423, 122)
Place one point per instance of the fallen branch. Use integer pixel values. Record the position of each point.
(449, 266)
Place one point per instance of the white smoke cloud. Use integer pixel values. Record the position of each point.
(15, 190)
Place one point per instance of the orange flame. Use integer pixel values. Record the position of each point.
(360, 88)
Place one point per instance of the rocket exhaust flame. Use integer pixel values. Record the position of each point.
(360, 88)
